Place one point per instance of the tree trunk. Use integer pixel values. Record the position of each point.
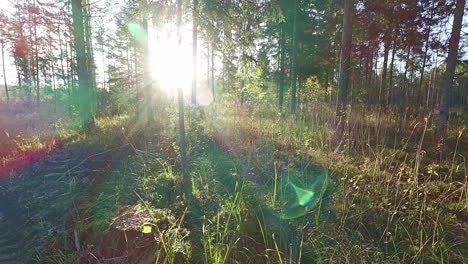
(37, 61)
(84, 103)
(405, 85)
(4, 72)
(212, 70)
(90, 57)
(194, 52)
(180, 99)
(147, 79)
(208, 65)
(282, 70)
(345, 70)
(446, 85)
(426, 48)
(383, 83)
(392, 64)
(293, 60)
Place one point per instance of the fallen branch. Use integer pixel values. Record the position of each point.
(83, 161)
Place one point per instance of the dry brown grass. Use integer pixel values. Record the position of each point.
(26, 131)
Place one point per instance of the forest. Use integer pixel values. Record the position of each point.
(233, 131)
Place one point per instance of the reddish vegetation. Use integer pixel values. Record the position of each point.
(19, 123)
(21, 159)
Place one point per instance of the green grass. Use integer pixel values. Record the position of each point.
(277, 190)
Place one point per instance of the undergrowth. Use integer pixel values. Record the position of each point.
(270, 188)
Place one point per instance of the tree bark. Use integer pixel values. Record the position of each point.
(293, 60)
(383, 83)
(82, 69)
(392, 64)
(147, 79)
(90, 57)
(194, 52)
(180, 102)
(282, 70)
(426, 49)
(345, 70)
(4, 71)
(446, 85)
(37, 61)
(212, 70)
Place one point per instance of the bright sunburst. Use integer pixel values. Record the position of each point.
(171, 64)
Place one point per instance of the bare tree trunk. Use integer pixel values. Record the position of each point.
(194, 52)
(180, 99)
(147, 79)
(37, 60)
(392, 64)
(82, 69)
(345, 70)
(293, 60)
(426, 48)
(208, 65)
(4, 72)
(383, 83)
(446, 85)
(282, 70)
(432, 87)
(212, 70)
(90, 56)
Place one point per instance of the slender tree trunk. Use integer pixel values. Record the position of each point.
(4, 71)
(405, 85)
(82, 69)
(208, 84)
(282, 68)
(69, 77)
(52, 76)
(383, 83)
(212, 70)
(90, 57)
(224, 70)
(446, 85)
(392, 64)
(433, 86)
(187, 182)
(369, 77)
(426, 48)
(148, 83)
(194, 52)
(293, 60)
(103, 66)
(345, 70)
(37, 61)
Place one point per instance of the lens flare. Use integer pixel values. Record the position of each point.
(305, 199)
(138, 32)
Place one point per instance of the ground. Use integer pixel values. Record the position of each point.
(266, 189)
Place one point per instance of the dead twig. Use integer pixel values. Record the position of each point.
(83, 161)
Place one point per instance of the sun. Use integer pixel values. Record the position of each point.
(171, 64)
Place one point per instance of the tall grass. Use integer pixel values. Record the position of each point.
(402, 198)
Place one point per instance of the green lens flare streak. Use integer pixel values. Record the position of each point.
(138, 32)
(306, 199)
(303, 196)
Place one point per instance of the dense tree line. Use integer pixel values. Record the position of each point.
(378, 54)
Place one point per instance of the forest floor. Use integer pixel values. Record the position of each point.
(27, 132)
(267, 189)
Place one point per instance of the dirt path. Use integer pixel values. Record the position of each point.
(8, 245)
(35, 204)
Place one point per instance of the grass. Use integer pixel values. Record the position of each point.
(387, 194)
(276, 189)
(27, 132)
